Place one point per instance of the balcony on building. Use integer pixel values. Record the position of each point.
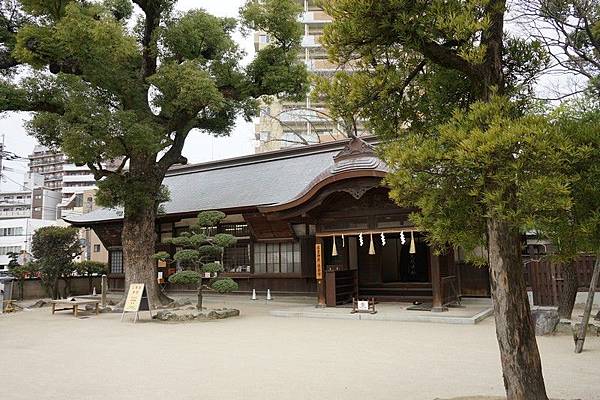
(311, 41)
(315, 17)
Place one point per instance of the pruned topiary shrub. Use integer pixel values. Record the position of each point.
(197, 254)
(185, 278)
(225, 285)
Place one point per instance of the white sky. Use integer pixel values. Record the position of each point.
(199, 147)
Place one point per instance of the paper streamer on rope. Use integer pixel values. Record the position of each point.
(334, 250)
(372, 246)
(360, 239)
(413, 248)
(343, 242)
(382, 239)
(402, 238)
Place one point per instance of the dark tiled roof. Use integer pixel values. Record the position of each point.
(249, 181)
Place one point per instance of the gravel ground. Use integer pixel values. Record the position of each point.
(257, 356)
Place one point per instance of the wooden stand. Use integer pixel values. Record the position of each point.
(341, 287)
(370, 306)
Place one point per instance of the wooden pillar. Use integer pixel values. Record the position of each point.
(319, 273)
(436, 282)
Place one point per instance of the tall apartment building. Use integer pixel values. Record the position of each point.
(61, 175)
(76, 181)
(48, 164)
(75, 187)
(280, 122)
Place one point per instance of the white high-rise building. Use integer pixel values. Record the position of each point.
(284, 124)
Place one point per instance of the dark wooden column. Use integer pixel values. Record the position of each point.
(319, 273)
(436, 282)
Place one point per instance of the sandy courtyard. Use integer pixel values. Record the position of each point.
(258, 356)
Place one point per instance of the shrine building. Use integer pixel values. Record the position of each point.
(311, 220)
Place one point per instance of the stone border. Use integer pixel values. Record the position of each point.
(434, 317)
(179, 315)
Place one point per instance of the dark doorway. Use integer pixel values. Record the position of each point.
(393, 262)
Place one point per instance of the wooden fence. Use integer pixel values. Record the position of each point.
(546, 279)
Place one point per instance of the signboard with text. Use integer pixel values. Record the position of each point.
(318, 261)
(137, 300)
(134, 297)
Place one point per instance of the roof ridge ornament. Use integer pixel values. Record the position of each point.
(356, 147)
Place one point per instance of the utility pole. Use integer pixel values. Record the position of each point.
(1, 160)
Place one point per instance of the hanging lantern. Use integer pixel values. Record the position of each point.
(413, 248)
(334, 250)
(382, 239)
(360, 239)
(343, 243)
(402, 238)
(372, 246)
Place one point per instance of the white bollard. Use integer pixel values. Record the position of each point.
(269, 294)
(94, 292)
(253, 294)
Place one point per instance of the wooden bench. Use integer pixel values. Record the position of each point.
(9, 306)
(74, 305)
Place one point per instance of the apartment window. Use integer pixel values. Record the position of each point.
(96, 248)
(275, 258)
(264, 136)
(4, 250)
(116, 262)
(16, 231)
(263, 39)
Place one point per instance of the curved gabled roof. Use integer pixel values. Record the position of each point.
(244, 182)
(356, 160)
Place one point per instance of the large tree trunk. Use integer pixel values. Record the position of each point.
(569, 290)
(55, 292)
(521, 364)
(139, 241)
(139, 227)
